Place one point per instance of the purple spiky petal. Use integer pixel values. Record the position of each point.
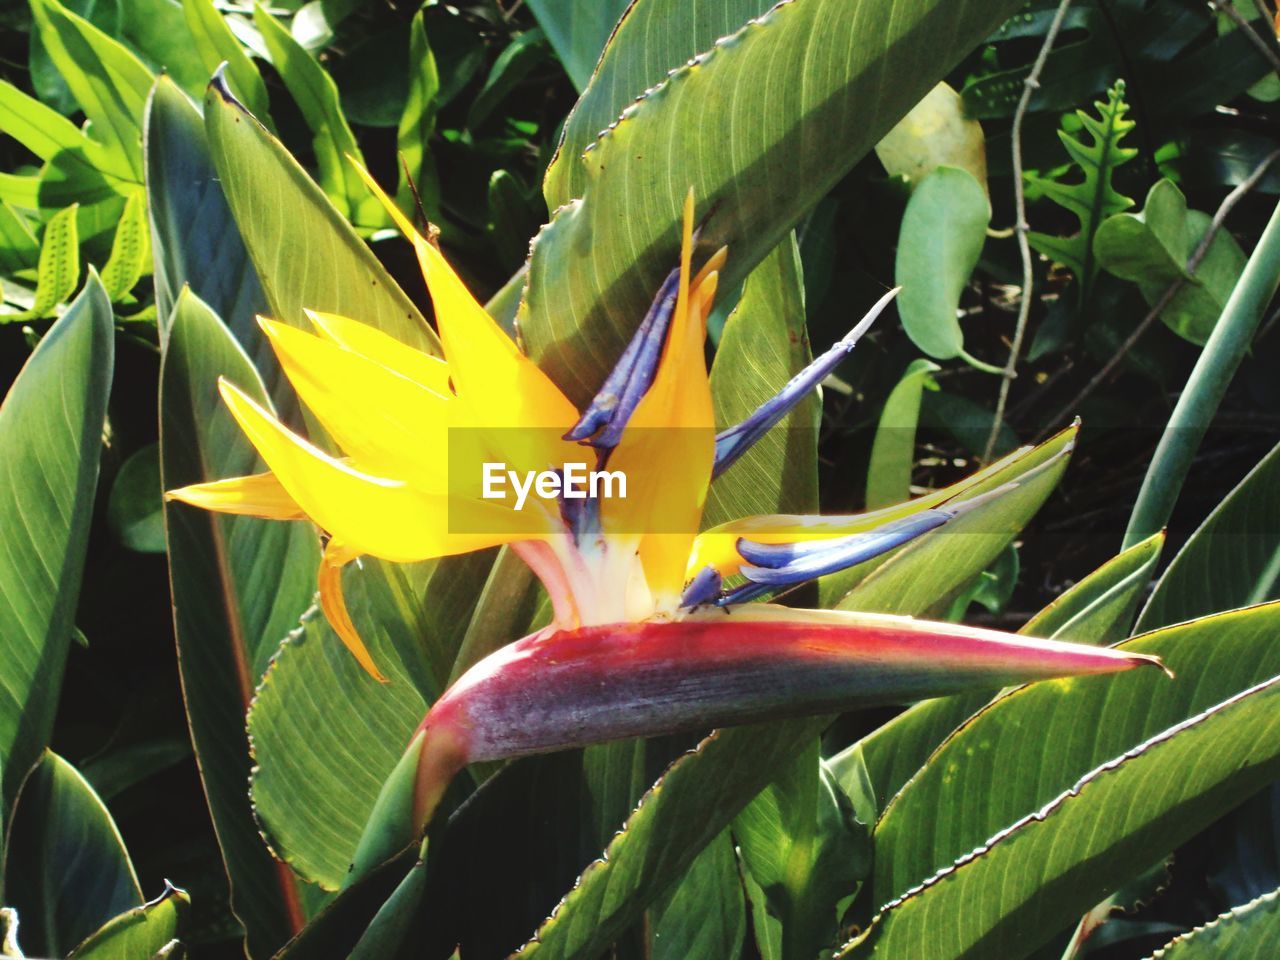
(734, 442)
(602, 423)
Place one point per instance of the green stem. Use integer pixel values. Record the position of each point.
(1206, 387)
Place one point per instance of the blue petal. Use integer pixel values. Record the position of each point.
(703, 588)
(602, 424)
(734, 442)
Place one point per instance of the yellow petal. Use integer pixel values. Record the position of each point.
(259, 495)
(371, 343)
(503, 386)
(668, 448)
(388, 424)
(374, 515)
(334, 606)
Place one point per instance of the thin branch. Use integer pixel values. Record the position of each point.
(1029, 87)
(1193, 263)
(1266, 49)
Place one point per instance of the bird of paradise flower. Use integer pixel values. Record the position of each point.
(653, 628)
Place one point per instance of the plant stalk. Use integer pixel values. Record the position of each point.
(1206, 387)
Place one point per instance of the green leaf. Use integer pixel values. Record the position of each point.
(306, 253)
(1247, 932)
(47, 83)
(1232, 560)
(66, 870)
(331, 138)
(1152, 249)
(51, 426)
(1098, 610)
(825, 87)
(521, 55)
(157, 31)
(239, 585)
(1030, 742)
(112, 773)
(1206, 386)
(418, 123)
(18, 247)
(1037, 875)
(59, 269)
(703, 915)
(107, 80)
(1093, 199)
(215, 44)
(636, 46)
(943, 231)
(135, 510)
(316, 783)
(130, 250)
(1150, 246)
(800, 843)
(392, 928)
(145, 931)
(579, 29)
(196, 241)
(893, 451)
(367, 909)
(512, 219)
(56, 140)
(764, 345)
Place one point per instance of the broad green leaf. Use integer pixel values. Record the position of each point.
(1233, 560)
(66, 870)
(821, 72)
(239, 585)
(51, 425)
(936, 132)
(1152, 248)
(331, 138)
(578, 29)
(130, 249)
(215, 44)
(59, 268)
(1040, 739)
(392, 927)
(893, 451)
(306, 254)
(55, 139)
(195, 239)
(337, 929)
(325, 736)
(45, 80)
(513, 219)
(506, 607)
(18, 246)
(1096, 610)
(145, 931)
(704, 914)
(800, 843)
(135, 510)
(316, 781)
(157, 32)
(1247, 932)
(764, 345)
(521, 55)
(943, 231)
(125, 767)
(417, 124)
(1039, 873)
(625, 49)
(107, 80)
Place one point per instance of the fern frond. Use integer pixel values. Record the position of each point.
(1092, 199)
